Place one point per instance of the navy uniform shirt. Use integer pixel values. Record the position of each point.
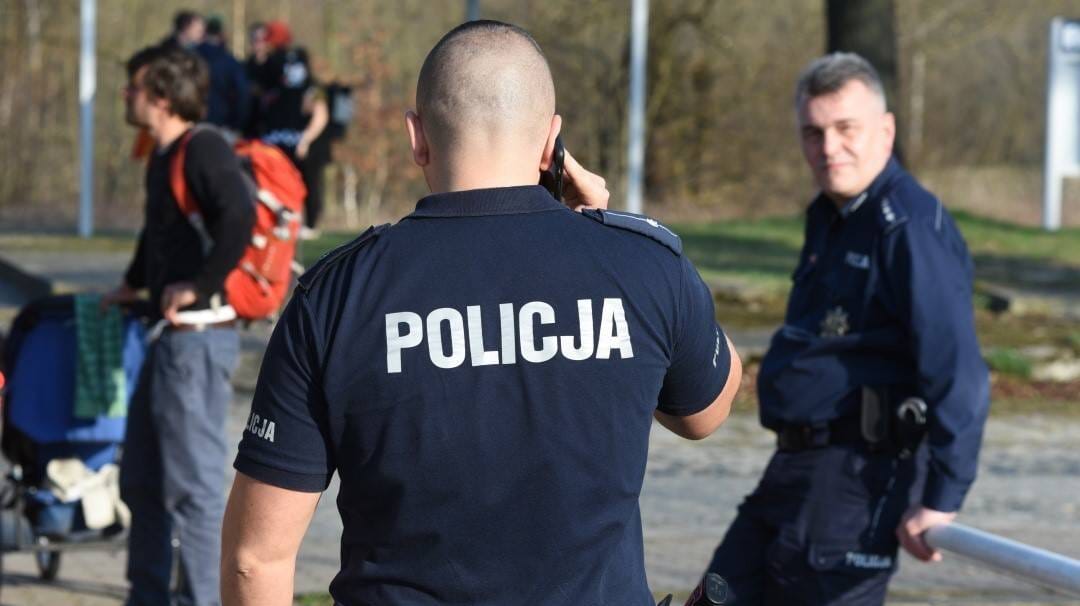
(882, 298)
(482, 376)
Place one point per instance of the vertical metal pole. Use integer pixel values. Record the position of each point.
(639, 37)
(472, 10)
(1055, 95)
(87, 90)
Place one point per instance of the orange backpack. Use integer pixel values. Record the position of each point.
(257, 287)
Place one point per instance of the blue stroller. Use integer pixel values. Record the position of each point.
(40, 426)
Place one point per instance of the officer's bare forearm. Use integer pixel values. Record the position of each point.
(260, 538)
(702, 424)
(249, 575)
(247, 582)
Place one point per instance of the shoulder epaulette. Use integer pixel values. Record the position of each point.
(640, 224)
(336, 255)
(890, 215)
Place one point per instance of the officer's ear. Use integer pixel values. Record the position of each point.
(888, 125)
(549, 145)
(421, 153)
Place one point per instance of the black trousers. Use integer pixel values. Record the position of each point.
(820, 528)
(313, 171)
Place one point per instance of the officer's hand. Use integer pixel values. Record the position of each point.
(175, 297)
(916, 521)
(581, 188)
(121, 294)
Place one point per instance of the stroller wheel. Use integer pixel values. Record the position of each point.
(48, 563)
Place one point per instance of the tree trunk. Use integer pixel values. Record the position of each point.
(239, 33)
(869, 28)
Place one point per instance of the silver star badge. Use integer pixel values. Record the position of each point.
(835, 323)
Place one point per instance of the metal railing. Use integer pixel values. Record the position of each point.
(1046, 568)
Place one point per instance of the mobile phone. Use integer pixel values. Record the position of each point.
(552, 178)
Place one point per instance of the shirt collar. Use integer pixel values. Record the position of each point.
(482, 202)
(877, 187)
(884, 179)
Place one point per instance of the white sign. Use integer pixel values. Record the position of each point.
(1062, 116)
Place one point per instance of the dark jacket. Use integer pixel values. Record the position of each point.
(229, 101)
(169, 248)
(882, 298)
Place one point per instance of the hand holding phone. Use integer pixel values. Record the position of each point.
(580, 188)
(552, 178)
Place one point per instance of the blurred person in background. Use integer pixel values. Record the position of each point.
(332, 107)
(188, 30)
(257, 53)
(229, 101)
(293, 112)
(258, 48)
(874, 385)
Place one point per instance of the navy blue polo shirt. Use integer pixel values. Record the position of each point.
(483, 376)
(882, 298)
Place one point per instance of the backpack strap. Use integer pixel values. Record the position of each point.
(177, 181)
(185, 199)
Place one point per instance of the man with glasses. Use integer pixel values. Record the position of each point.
(173, 468)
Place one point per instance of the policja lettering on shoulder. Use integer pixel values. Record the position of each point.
(515, 330)
(261, 427)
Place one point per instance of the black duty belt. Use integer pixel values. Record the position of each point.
(793, 437)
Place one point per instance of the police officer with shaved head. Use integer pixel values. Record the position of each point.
(482, 375)
(874, 385)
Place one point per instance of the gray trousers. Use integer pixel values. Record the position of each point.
(172, 474)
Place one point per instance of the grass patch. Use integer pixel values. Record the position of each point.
(757, 255)
(758, 312)
(107, 242)
(768, 247)
(1072, 339)
(308, 252)
(1008, 406)
(1008, 361)
(749, 263)
(990, 237)
(1015, 331)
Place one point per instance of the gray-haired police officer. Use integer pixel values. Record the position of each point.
(880, 314)
(483, 375)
